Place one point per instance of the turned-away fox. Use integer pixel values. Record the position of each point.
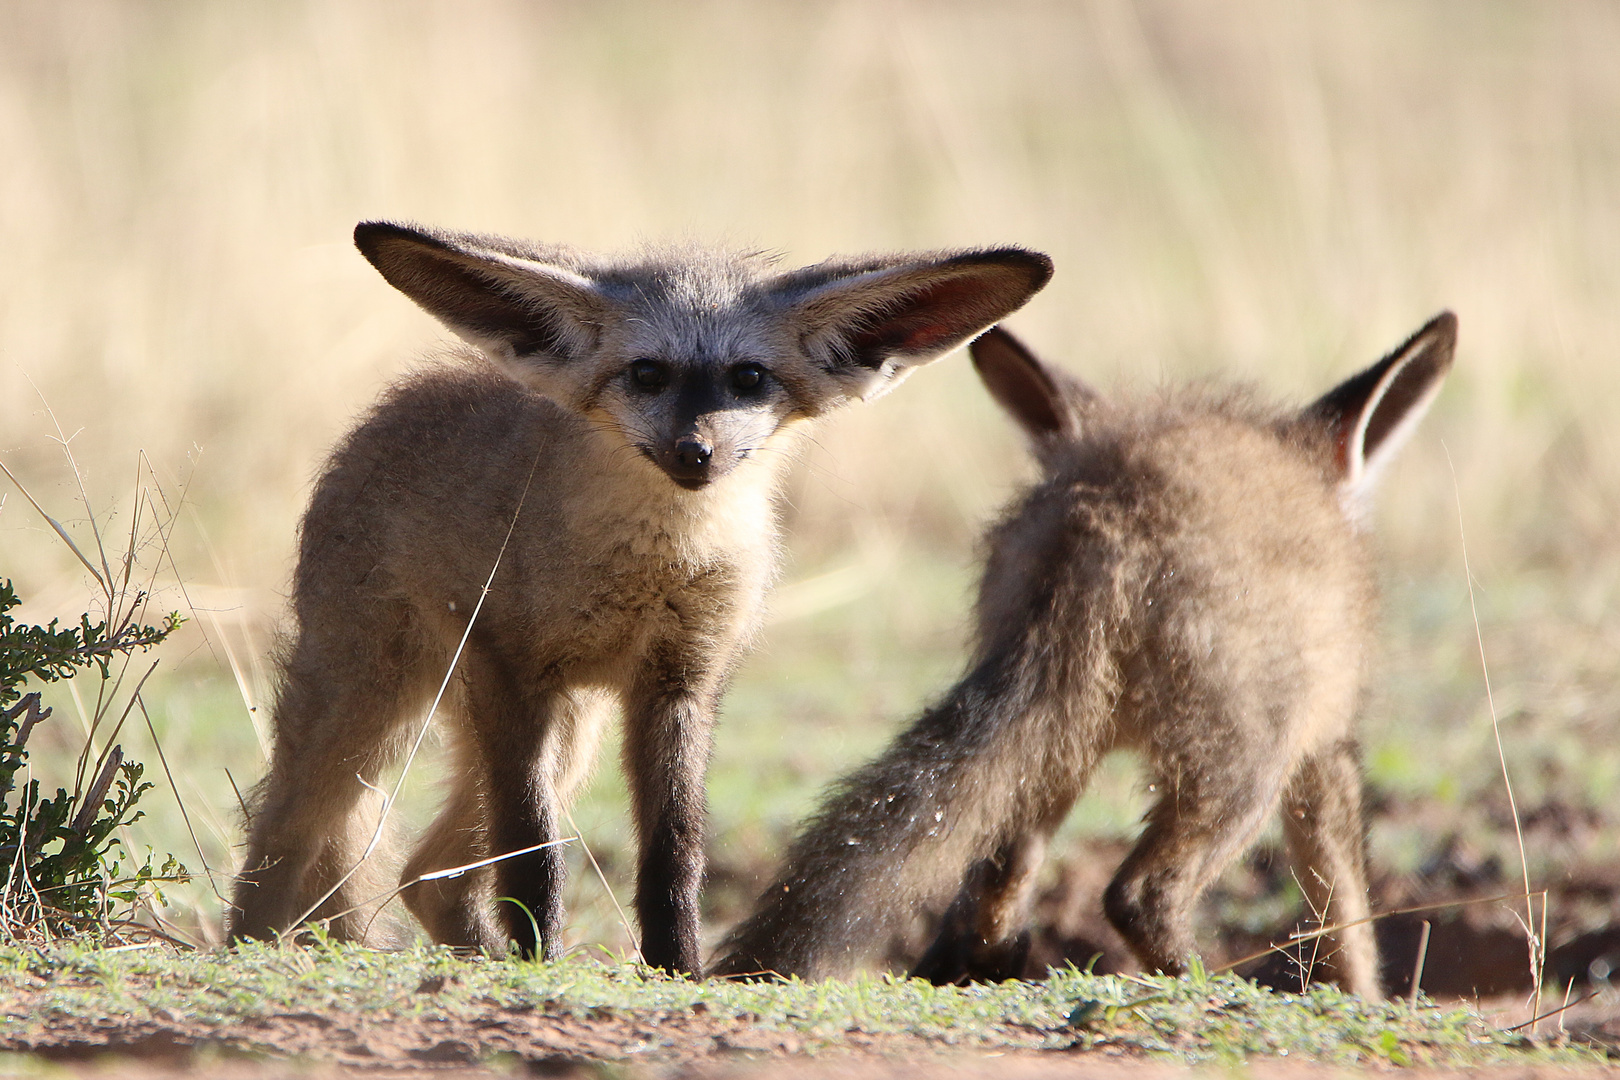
(610, 449)
(1189, 578)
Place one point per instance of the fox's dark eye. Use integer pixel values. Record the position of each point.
(746, 378)
(649, 374)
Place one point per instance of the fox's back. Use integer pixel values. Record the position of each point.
(1193, 550)
(433, 476)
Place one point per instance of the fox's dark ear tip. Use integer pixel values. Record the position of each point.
(1440, 336)
(996, 345)
(1443, 325)
(369, 235)
(1447, 324)
(1039, 264)
(1036, 266)
(992, 338)
(376, 227)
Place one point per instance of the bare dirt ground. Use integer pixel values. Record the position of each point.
(1476, 953)
(856, 1063)
(541, 1040)
(555, 1054)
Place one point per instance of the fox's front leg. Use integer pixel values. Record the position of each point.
(668, 723)
(515, 771)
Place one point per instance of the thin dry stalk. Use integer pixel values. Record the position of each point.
(179, 801)
(1533, 941)
(1536, 1020)
(163, 527)
(86, 720)
(442, 875)
(64, 440)
(1417, 968)
(1306, 967)
(247, 815)
(53, 523)
(168, 931)
(242, 687)
(19, 872)
(1301, 936)
(92, 722)
(129, 610)
(128, 708)
(1321, 918)
(623, 919)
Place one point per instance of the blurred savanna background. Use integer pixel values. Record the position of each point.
(1263, 190)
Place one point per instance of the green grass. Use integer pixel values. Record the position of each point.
(1198, 1018)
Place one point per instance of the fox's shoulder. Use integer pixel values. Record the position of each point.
(457, 389)
(459, 400)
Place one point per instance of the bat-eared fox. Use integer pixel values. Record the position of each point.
(1188, 577)
(610, 447)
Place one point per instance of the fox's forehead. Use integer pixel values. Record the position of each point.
(703, 305)
(687, 280)
(734, 332)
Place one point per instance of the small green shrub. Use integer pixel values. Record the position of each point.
(61, 865)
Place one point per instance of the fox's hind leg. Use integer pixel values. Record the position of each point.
(1322, 817)
(984, 935)
(313, 816)
(457, 910)
(512, 724)
(1201, 823)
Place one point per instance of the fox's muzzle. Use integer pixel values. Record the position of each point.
(690, 462)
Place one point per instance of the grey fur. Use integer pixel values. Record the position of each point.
(627, 420)
(1188, 577)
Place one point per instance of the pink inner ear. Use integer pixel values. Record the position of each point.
(925, 319)
(1344, 431)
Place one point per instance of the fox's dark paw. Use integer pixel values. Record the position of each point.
(958, 956)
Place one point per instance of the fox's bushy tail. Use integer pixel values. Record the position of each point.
(896, 838)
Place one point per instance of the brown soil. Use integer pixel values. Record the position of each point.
(689, 1043)
(534, 1044)
(312, 1047)
(1476, 951)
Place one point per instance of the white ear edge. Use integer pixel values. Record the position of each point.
(869, 384)
(1362, 472)
(525, 271)
(532, 267)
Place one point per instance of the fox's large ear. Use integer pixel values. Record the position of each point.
(869, 323)
(492, 292)
(1043, 401)
(1371, 414)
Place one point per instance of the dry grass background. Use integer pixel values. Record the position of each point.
(1273, 190)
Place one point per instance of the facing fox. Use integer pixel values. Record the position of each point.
(1188, 577)
(613, 445)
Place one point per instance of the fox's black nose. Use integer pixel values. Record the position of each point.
(693, 454)
(689, 462)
